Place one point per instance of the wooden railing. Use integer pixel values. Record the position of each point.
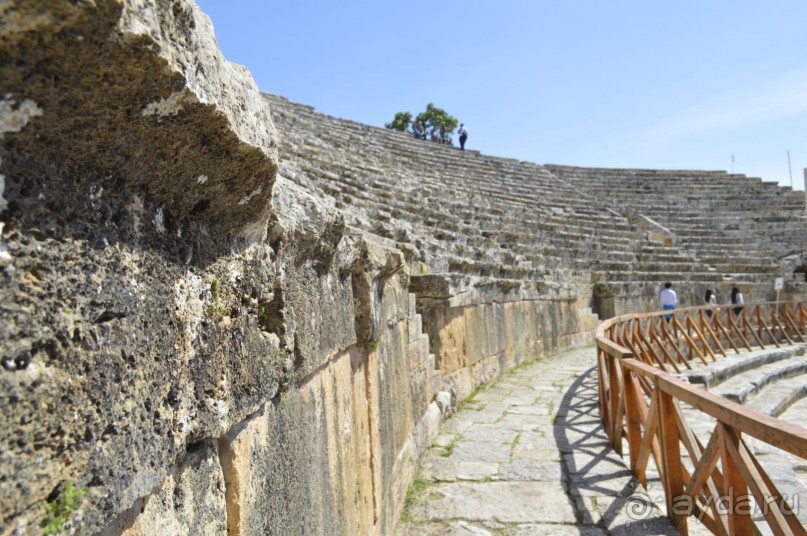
(640, 402)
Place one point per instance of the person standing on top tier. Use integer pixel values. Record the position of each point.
(417, 131)
(463, 132)
(667, 299)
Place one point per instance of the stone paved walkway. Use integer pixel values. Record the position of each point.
(528, 456)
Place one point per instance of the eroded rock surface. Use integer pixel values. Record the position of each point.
(203, 345)
(137, 168)
(103, 101)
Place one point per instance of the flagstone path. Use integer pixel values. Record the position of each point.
(527, 456)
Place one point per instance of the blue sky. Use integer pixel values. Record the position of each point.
(639, 84)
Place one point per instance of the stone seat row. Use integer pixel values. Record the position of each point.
(615, 261)
(775, 399)
(563, 244)
(765, 229)
(613, 227)
(769, 381)
(715, 373)
(730, 220)
(770, 386)
(685, 277)
(677, 186)
(562, 239)
(346, 185)
(563, 249)
(511, 230)
(655, 177)
(561, 233)
(743, 387)
(674, 183)
(767, 200)
(442, 158)
(508, 201)
(677, 176)
(765, 243)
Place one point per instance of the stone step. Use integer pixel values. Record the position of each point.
(688, 277)
(747, 384)
(726, 368)
(776, 398)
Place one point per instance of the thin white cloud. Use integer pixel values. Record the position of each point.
(786, 97)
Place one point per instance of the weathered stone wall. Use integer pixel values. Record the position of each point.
(616, 300)
(203, 346)
(478, 331)
(118, 170)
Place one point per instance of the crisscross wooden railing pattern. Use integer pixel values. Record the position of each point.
(639, 402)
(673, 339)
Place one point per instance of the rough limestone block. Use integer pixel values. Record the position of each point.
(446, 402)
(189, 502)
(415, 327)
(427, 429)
(112, 97)
(446, 330)
(303, 462)
(485, 331)
(423, 375)
(137, 165)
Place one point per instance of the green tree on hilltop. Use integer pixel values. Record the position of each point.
(434, 116)
(400, 122)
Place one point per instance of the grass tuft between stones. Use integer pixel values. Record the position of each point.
(418, 486)
(448, 450)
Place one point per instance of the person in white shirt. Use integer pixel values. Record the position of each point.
(463, 132)
(667, 299)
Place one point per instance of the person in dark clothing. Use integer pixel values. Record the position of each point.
(463, 132)
(710, 299)
(418, 132)
(736, 299)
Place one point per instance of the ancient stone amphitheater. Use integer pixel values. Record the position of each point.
(226, 313)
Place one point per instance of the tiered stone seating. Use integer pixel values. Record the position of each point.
(469, 213)
(777, 398)
(767, 380)
(740, 226)
(770, 381)
(742, 379)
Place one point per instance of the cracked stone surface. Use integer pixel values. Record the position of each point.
(527, 456)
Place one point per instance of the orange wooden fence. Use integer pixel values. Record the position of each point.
(637, 356)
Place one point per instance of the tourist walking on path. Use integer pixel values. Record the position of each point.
(711, 300)
(667, 299)
(736, 299)
(463, 132)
